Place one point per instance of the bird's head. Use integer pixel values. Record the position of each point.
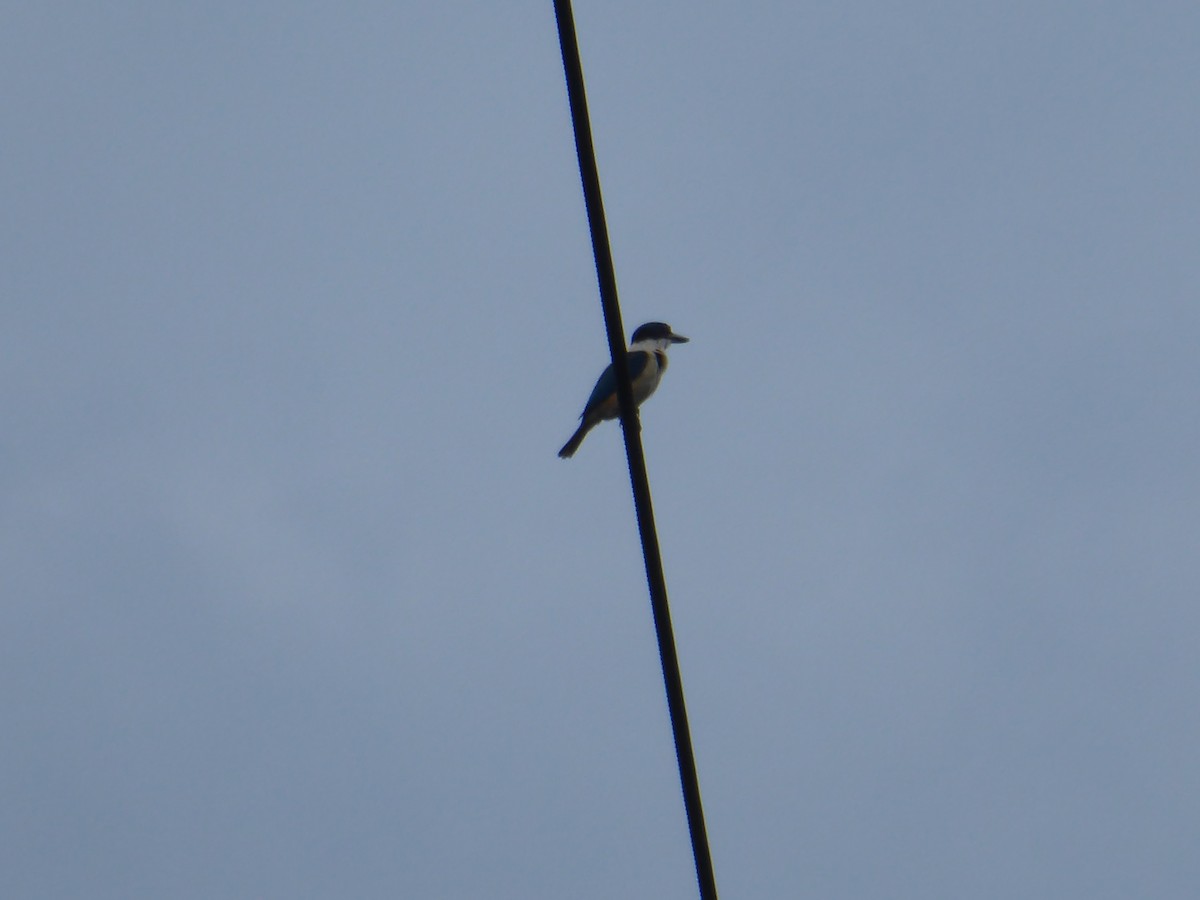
(655, 335)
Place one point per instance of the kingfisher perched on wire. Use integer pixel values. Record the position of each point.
(647, 358)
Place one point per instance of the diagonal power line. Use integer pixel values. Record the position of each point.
(631, 428)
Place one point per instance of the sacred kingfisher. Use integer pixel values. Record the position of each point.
(647, 361)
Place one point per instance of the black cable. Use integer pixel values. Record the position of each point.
(631, 427)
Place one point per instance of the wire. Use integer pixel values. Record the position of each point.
(631, 427)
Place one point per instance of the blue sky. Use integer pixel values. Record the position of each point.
(299, 305)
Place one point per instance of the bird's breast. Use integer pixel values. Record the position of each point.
(647, 380)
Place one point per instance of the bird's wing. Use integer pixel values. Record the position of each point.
(606, 385)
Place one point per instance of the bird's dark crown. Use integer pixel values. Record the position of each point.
(652, 331)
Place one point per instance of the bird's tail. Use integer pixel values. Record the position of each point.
(572, 445)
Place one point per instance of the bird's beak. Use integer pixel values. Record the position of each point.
(677, 338)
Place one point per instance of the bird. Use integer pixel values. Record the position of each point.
(647, 358)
